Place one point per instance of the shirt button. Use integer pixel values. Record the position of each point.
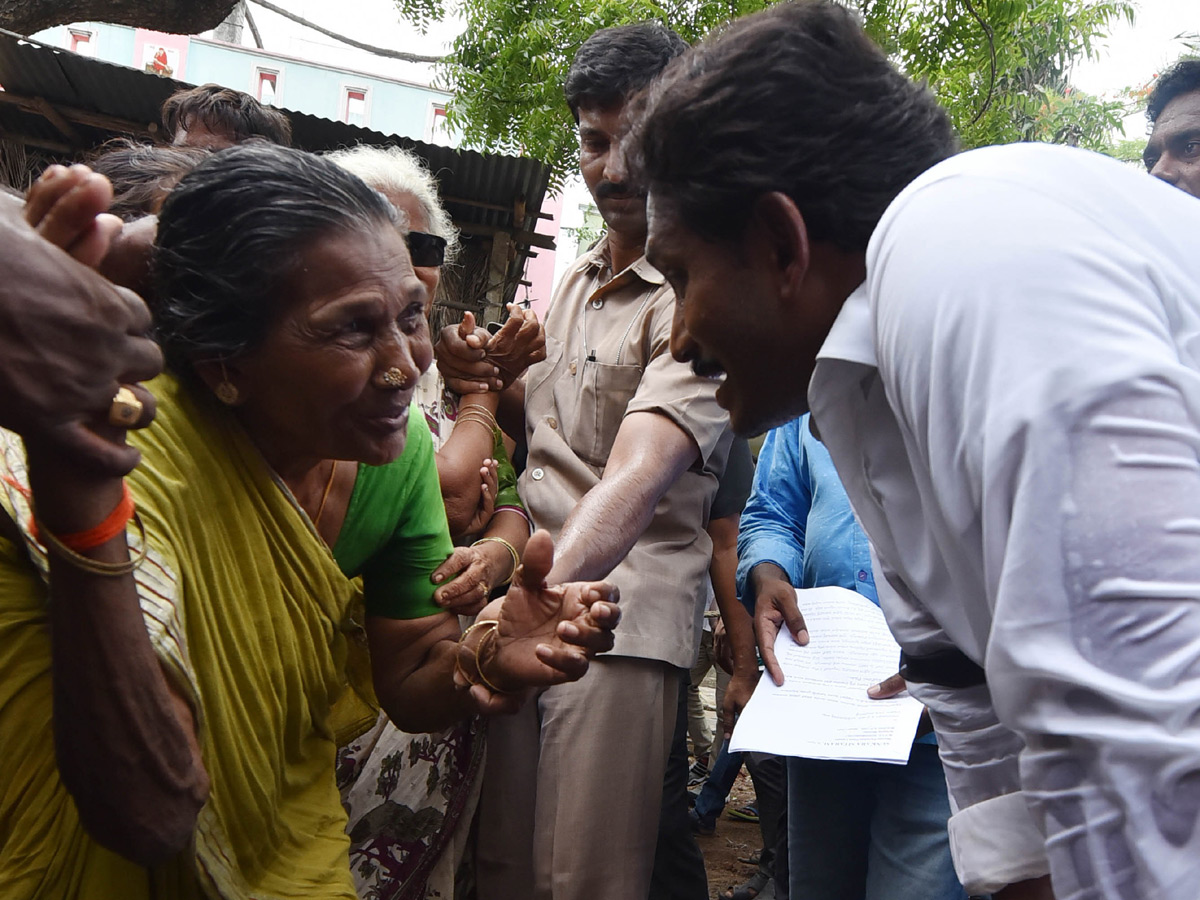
(597, 303)
(538, 474)
(552, 422)
(571, 367)
(862, 575)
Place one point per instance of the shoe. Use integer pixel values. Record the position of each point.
(699, 825)
(698, 772)
(693, 796)
(744, 814)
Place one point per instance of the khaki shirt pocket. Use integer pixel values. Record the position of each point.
(604, 393)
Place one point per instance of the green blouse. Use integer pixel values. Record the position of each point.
(395, 532)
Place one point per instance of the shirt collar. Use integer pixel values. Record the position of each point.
(598, 258)
(852, 337)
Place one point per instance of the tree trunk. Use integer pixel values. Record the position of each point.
(177, 16)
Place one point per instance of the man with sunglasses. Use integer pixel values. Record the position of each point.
(625, 447)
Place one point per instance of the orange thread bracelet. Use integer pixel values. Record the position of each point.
(113, 525)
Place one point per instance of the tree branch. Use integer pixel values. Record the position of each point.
(378, 51)
(177, 16)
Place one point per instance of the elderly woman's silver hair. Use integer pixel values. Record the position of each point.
(395, 170)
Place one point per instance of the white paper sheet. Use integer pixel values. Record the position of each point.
(822, 711)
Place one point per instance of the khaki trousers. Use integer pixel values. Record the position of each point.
(573, 786)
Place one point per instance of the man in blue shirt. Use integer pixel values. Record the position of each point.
(856, 831)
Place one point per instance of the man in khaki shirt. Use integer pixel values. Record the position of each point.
(625, 447)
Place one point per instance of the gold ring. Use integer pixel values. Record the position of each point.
(394, 378)
(126, 410)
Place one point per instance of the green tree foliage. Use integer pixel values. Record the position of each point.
(1000, 67)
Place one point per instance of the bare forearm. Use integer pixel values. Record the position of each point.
(604, 526)
(126, 745)
(459, 460)
(510, 413)
(513, 527)
(426, 700)
(739, 627)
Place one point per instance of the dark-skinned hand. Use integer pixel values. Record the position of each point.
(520, 342)
(546, 633)
(774, 608)
(891, 687)
(68, 337)
(461, 352)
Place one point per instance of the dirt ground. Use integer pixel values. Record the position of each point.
(733, 841)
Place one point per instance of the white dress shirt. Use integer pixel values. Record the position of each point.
(1012, 400)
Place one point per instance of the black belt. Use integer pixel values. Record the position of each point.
(949, 668)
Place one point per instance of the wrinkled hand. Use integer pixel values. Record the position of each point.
(546, 633)
(68, 338)
(519, 343)
(489, 472)
(461, 358)
(774, 608)
(892, 686)
(478, 570)
(67, 208)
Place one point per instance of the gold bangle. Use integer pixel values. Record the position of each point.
(462, 641)
(516, 557)
(474, 410)
(479, 663)
(481, 424)
(95, 566)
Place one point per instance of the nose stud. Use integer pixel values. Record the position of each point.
(394, 378)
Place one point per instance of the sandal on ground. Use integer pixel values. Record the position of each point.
(744, 814)
(749, 889)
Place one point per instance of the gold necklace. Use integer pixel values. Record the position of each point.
(325, 496)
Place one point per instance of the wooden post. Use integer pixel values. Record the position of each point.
(493, 310)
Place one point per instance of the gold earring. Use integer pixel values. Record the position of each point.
(227, 393)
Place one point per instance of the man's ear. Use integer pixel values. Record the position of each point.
(779, 224)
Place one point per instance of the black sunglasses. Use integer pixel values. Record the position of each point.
(426, 249)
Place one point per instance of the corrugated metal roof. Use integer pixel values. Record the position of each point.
(98, 90)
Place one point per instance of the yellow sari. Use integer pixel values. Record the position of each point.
(250, 617)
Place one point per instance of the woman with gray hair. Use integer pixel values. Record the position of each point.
(411, 797)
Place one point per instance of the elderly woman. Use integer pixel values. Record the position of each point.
(171, 704)
(411, 798)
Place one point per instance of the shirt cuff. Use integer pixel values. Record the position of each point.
(767, 549)
(995, 843)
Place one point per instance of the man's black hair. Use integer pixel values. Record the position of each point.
(795, 99)
(1182, 77)
(615, 63)
(225, 111)
(233, 231)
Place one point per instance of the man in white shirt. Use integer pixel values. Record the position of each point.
(1004, 354)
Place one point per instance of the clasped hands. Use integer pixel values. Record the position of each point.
(474, 362)
(544, 634)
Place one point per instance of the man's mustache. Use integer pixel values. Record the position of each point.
(609, 190)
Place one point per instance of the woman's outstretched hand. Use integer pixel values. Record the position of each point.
(547, 634)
